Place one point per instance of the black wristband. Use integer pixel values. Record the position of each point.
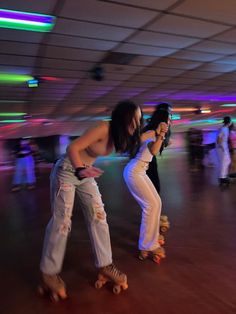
(77, 171)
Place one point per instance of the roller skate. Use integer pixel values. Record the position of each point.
(164, 224)
(158, 254)
(16, 188)
(224, 182)
(54, 286)
(161, 239)
(111, 273)
(30, 187)
(143, 255)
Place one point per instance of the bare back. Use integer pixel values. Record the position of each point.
(93, 143)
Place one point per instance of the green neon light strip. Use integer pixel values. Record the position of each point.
(12, 121)
(14, 78)
(23, 25)
(228, 105)
(12, 114)
(26, 21)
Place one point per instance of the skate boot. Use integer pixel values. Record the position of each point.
(54, 286)
(143, 255)
(164, 224)
(158, 254)
(16, 188)
(161, 239)
(30, 187)
(224, 182)
(111, 273)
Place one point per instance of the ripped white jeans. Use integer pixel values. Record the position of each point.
(63, 186)
(143, 190)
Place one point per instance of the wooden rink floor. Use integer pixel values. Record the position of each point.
(197, 276)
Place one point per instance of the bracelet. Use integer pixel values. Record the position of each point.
(159, 135)
(77, 171)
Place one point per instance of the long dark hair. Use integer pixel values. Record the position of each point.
(121, 119)
(160, 114)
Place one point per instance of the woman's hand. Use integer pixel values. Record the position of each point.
(162, 128)
(90, 172)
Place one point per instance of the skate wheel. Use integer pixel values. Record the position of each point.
(116, 289)
(98, 284)
(157, 260)
(164, 229)
(41, 291)
(54, 297)
(62, 294)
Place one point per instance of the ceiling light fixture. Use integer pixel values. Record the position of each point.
(33, 83)
(26, 21)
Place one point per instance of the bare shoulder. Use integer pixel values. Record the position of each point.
(98, 131)
(102, 127)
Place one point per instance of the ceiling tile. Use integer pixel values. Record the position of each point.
(73, 54)
(186, 26)
(91, 30)
(214, 47)
(161, 40)
(83, 43)
(8, 47)
(229, 36)
(100, 12)
(42, 6)
(149, 4)
(196, 56)
(145, 50)
(217, 10)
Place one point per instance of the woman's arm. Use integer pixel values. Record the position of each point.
(147, 135)
(154, 147)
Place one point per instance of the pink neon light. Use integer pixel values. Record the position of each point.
(175, 122)
(50, 78)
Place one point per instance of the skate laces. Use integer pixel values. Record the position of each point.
(114, 271)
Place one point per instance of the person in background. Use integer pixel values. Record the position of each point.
(142, 188)
(232, 148)
(152, 171)
(223, 151)
(74, 173)
(24, 166)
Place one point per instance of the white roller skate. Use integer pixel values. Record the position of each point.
(158, 254)
(143, 255)
(54, 286)
(155, 255)
(111, 273)
(161, 239)
(164, 224)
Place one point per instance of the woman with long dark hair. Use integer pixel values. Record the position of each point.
(152, 171)
(142, 188)
(74, 173)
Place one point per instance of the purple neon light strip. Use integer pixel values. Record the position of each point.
(25, 16)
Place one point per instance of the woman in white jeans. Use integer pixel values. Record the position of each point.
(142, 188)
(74, 173)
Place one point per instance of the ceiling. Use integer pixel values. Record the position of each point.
(182, 52)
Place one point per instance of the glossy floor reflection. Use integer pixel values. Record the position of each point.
(198, 275)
